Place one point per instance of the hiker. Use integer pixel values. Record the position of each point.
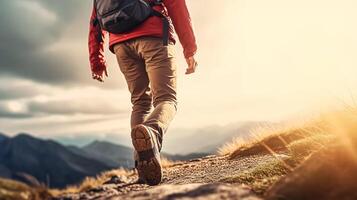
(141, 37)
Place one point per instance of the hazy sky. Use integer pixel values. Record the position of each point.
(258, 60)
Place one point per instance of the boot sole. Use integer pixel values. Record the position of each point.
(149, 170)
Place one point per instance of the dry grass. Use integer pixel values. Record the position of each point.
(270, 144)
(290, 140)
(166, 163)
(93, 182)
(297, 142)
(13, 190)
(300, 149)
(268, 139)
(267, 133)
(229, 147)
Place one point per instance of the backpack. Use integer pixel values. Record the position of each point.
(122, 16)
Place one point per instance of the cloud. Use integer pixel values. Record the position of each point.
(15, 89)
(29, 28)
(17, 92)
(20, 98)
(33, 108)
(11, 115)
(71, 107)
(13, 111)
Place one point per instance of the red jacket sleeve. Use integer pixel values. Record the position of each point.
(178, 12)
(96, 46)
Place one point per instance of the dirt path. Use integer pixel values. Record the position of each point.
(210, 169)
(195, 179)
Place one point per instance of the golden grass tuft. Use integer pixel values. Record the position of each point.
(229, 147)
(166, 163)
(13, 190)
(93, 182)
(267, 139)
(264, 133)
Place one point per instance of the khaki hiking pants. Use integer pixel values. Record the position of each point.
(150, 71)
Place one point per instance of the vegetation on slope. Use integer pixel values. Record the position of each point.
(13, 190)
(291, 147)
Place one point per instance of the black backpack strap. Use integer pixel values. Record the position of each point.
(155, 3)
(95, 21)
(165, 28)
(165, 21)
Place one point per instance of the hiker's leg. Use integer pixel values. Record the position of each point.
(161, 69)
(133, 68)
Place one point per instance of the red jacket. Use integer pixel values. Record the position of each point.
(176, 10)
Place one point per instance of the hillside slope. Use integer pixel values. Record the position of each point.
(316, 161)
(111, 154)
(23, 156)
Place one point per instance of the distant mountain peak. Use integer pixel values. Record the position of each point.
(3, 137)
(41, 158)
(103, 144)
(23, 135)
(98, 142)
(26, 137)
(116, 153)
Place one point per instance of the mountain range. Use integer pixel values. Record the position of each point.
(113, 155)
(47, 161)
(26, 158)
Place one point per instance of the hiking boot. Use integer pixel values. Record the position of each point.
(140, 175)
(148, 161)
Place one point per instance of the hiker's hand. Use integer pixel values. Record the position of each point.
(192, 64)
(99, 76)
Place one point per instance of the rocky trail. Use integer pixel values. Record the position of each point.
(315, 162)
(195, 179)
